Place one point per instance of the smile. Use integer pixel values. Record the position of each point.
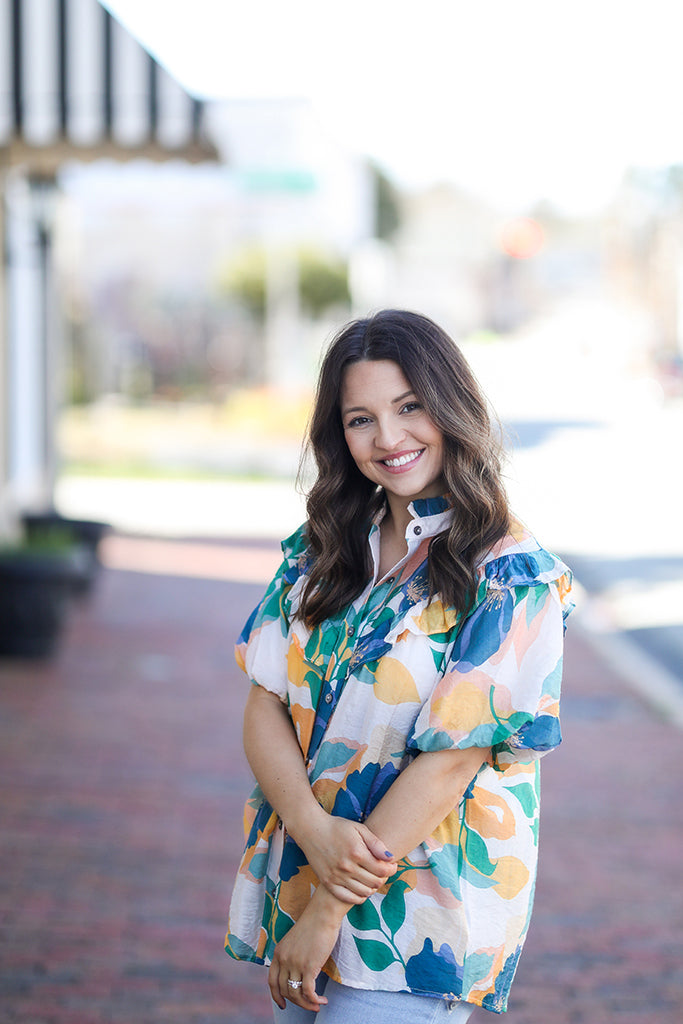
(402, 460)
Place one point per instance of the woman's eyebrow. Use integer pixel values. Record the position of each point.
(362, 408)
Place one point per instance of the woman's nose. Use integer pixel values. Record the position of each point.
(390, 433)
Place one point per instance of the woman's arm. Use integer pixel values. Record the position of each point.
(347, 858)
(422, 796)
(415, 804)
(305, 949)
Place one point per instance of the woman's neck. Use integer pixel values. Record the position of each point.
(393, 545)
(398, 515)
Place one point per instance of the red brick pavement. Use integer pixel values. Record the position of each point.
(121, 786)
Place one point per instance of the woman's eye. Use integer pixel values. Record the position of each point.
(357, 421)
(411, 407)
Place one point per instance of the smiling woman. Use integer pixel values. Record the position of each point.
(406, 662)
(393, 442)
(399, 416)
(390, 435)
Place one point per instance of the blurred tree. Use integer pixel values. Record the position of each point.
(245, 280)
(323, 281)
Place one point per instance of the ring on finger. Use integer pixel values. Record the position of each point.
(294, 984)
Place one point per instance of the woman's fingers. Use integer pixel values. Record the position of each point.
(375, 846)
(308, 997)
(347, 854)
(371, 857)
(301, 954)
(356, 890)
(274, 972)
(346, 895)
(308, 992)
(303, 994)
(359, 880)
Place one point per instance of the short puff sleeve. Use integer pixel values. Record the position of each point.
(261, 649)
(501, 687)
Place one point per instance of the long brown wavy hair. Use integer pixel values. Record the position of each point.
(342, 502)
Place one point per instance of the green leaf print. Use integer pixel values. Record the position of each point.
(526, 794)
(281, 924)
(330, 756)
(443, 866)
(476, 853)
(393, 906)
(364, 917)
(535, 602)
(375, 955)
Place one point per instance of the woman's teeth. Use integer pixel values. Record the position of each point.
(402, 460)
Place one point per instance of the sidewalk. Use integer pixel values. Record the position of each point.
(122, 782)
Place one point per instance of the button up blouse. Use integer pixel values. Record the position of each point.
(393, 674)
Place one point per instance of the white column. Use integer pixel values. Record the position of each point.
(30, 369)
(4, 389)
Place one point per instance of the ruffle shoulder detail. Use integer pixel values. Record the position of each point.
(296, 555)
(518, 560)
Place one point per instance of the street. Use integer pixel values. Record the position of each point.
(122, 780)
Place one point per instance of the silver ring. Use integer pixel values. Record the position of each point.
(294, 984)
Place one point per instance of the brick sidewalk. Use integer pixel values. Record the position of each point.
(122, 781)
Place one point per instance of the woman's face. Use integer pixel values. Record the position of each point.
(390, 435)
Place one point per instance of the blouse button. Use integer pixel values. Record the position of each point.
(417, 530)
(328, 698)
(351, 630)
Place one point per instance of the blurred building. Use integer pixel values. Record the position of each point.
(148, 255)
(74, 85)
(644, 264)
(442, 251)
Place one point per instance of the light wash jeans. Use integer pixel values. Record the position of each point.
(360, 1006)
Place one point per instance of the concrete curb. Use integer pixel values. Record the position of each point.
(653, 683)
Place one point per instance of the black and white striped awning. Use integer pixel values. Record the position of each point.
(75, 84)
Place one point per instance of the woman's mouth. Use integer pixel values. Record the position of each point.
(402, 461)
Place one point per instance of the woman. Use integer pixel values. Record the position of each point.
(406, 661)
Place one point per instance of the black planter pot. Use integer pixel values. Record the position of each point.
(35, 587)
(86, 533)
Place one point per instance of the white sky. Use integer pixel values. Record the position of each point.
(515, 99)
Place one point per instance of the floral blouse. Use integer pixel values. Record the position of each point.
(393, 674)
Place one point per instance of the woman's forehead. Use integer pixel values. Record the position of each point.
(373, 378)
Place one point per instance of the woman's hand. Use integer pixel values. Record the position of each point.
(346, 856)
(349, 859)
(303, 952)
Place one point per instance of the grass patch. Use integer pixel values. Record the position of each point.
(133, 470)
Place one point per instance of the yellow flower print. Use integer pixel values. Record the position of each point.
(296, 895)
(564, 585)
(511, 876)
(303, 720)
(463, 705)
(489, 815)
(296, 664)
(394, 684)
(437, 619)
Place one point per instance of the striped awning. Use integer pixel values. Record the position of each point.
(74, 83)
